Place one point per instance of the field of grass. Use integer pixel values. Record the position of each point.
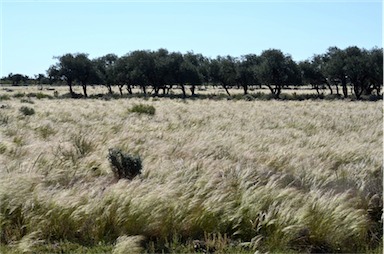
(242, 176)
(200, 90)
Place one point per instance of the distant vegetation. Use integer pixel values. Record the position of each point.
(351, 72)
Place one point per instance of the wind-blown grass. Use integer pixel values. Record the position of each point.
(242, 176)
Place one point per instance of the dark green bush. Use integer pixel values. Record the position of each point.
(143, 109)
(4, 97)
(19, 95)
(27, 111)
(124, 165)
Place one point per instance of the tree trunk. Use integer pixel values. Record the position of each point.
(337, 90)
(226, 89)
(329, 87)
(358, 90)
(317, 89)
(129, 89)
(193, 90)
(156, 89)
(245, 87)
(70, 88)
(85, 90)
(109, 89)
(121, 89)
(183, 90)
(345, 89)
(271, 89)
(277, 91)
(144, 90)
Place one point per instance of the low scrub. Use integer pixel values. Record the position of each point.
(27, 111)
(124, 165)
(4, 97)
(143, 109)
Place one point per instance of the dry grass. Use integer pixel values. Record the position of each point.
(94, 90)
(269, 176)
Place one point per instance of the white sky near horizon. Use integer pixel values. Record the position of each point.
(33, 32)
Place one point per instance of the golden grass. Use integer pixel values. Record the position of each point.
(272, 175)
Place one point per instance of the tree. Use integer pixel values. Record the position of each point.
(53, 74)
(277, 70)
(335, 69)
(71, 68)
(311, 71)
(141, 70)
(85, 72)
(123, 73)
(183, 70)
(223, 71)
(17, 79)
(194, 66)
(64, 70)
(357, 69)
(105, 68)
(161, 72)
(375, 61)
(247, 71)
(175, 74)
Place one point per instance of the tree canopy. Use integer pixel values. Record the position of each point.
(356, 70)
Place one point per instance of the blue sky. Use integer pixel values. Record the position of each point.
(32, 32)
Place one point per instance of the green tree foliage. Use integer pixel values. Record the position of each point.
(195, 70)
(74, 68)
(313, 74)
(105, 71)
(375, 59)
(64, 70)
(277, 70)
(224, 72)
(85, 71)
(16, 79)
(357, 69)
(335, 68)
(141, 65)
(247, 71)
(161, 70)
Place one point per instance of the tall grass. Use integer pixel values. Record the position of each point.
(239, 176)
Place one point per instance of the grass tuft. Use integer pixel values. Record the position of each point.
(27, 111)
(143, 109)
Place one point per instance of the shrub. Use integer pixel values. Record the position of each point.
(19, 95)
(124, 165)
(4, 97)
(27, 111)
(143, 109)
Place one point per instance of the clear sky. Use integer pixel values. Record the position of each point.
(33, 32)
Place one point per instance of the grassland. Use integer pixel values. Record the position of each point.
(277, 176)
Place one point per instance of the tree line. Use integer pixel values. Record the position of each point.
(158, 71)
